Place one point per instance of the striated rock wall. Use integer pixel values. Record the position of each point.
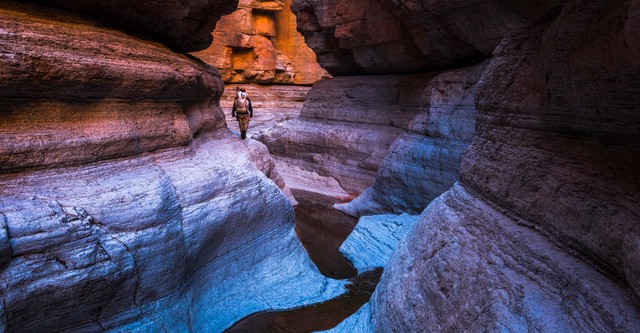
(543, 228)
(181, 25)
(396, 36)
(272, 104)
(541, 232)
(125, 202)
(423, 161)
(77, 93)
(259, 43)
(345, 128)
(467, 266)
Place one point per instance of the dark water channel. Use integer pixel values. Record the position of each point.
(321, 229)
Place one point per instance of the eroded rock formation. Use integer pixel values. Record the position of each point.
(259, 43)
(125, 202)
(541, 231)
(394, 36)
(272, 104)
(182, 25)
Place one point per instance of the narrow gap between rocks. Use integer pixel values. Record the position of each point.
(321, 230)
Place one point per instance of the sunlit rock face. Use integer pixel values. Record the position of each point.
(183, 25)
(125, 202)
(542, 231)
(259, 43)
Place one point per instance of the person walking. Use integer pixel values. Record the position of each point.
(242, 110)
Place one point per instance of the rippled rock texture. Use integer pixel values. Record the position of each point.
(542, 230)
(347, 125)
(125, 202)
(272, 104)
(259, 43)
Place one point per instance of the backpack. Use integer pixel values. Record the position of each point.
(241, 102)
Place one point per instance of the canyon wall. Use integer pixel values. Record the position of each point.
(541, 231)
(125, 202)
(259, 43)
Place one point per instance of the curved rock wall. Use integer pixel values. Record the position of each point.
(423, 161)
(396, 36)
(541, 232)
(125, 202)
(562, 133)
(181, 25)
(347, 125)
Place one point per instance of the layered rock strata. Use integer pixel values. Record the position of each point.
(272, 104)
(258, 43)
(423, 161)
(125, 203)
(468, 266)
(541, 232)
(347, 125)
(181, 25)
(396, 36)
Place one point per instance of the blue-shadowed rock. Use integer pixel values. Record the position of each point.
(424, 160)
(126, 203)
(5, 249)
(370, 245)
(374, 238)
(188, 238)
(466, 266)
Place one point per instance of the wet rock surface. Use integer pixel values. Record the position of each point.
(317, 317)
(321, 230)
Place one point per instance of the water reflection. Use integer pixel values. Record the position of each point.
(316, 317)
(321, 229)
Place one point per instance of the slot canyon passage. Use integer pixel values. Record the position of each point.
(479, 158)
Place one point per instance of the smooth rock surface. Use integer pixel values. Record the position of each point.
(374, 238)
(352, 37)
(423, 162)
(542, 231)
(125, 203)
(347, 124)
(183, 25)
(180, 234)
(468, 267)
(557, 147)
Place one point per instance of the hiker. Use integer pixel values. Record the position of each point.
(242, 110)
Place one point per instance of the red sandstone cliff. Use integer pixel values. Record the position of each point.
(259, 43)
